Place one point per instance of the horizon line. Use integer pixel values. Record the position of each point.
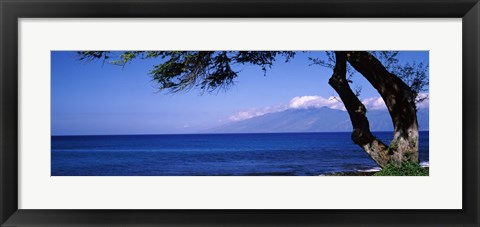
(211, 133)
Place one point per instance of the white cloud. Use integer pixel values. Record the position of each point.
(314, 101)
(374, 104)
(242, 115)
(304, 102)
(378, 103)
(425, 103)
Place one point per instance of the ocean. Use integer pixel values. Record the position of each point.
(256, 154)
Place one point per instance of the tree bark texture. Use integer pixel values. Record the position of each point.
(361, 134)
(400, 102)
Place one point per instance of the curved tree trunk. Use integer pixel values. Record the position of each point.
(400, 101)
(361, 134)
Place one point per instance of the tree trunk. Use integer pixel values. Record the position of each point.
(400, 102)
(361, 134)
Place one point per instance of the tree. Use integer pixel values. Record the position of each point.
(398, 85)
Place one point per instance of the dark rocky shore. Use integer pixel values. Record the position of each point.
(370, 173)
(350, 174)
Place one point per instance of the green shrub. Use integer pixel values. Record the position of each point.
(406, 169)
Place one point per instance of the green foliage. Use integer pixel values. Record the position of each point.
(415, 75)
(407, 155)
(182, 70)
(92, 55)
(392, 147)
(412, 74)
(406, 169)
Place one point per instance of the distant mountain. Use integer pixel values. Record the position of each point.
(312, 120)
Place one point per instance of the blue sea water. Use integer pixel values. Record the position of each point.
(262, 154)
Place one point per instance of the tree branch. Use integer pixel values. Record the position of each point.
(361, 134)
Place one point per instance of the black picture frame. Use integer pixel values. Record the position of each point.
(12, 10)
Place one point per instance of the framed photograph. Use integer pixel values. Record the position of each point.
(263, 113)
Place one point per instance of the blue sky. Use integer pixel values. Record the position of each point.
(92, 98)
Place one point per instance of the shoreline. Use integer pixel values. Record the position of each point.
(358, 173)
(370, 173)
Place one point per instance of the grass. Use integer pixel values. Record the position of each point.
(406, 169)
